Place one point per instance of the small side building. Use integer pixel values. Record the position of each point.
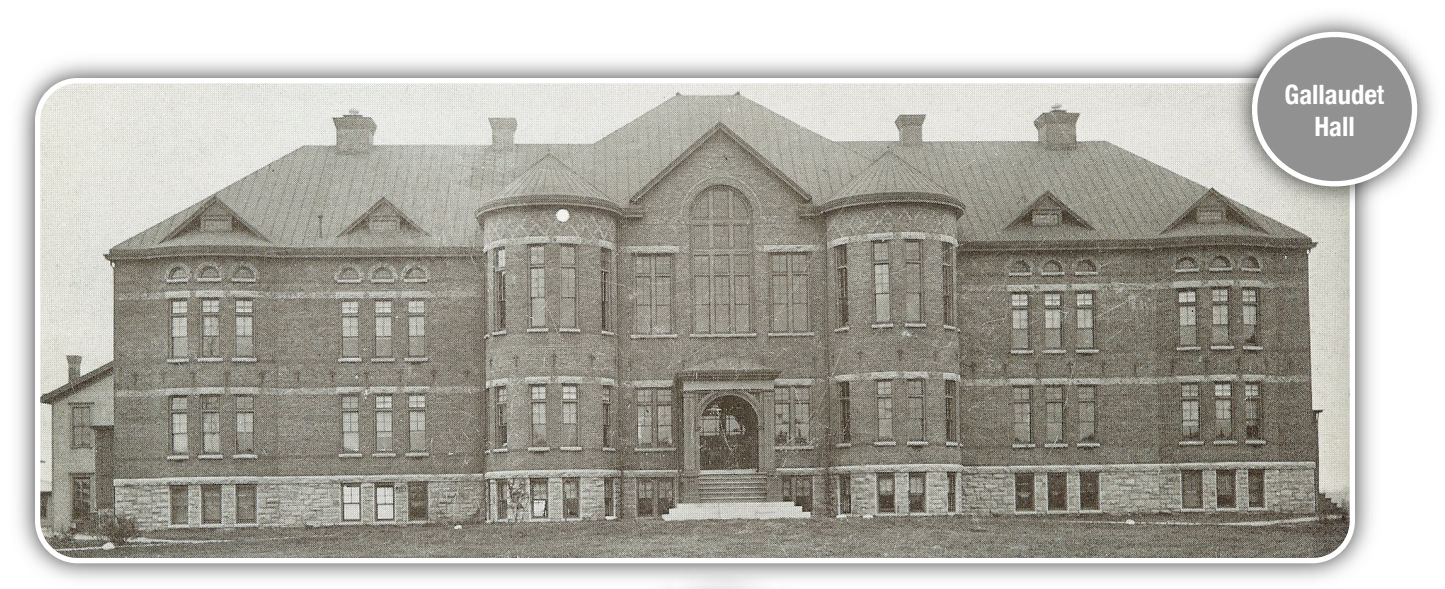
(81, 426)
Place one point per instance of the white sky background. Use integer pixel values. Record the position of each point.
(118, 158)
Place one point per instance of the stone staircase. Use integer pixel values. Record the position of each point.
(734, 494)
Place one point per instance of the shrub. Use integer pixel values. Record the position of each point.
(118, 529)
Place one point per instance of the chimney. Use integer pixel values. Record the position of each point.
(74, 362)
(504, 130)
(1057, 128)
(910, 129)
(354, 132)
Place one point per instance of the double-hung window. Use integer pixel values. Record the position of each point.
(385, 499)
(605, 293)
(1053, 415)
(652, 292)
(840, 279)
(210, 328)
(607, 416)
(539, 498)
(1053, 321)
(350, 329)
(537, 285)
(1019, 307)
(179, 318)
(350, 423)
(913, 281)
(948, 254)
(351, 502)
(790, 415)
(1220, 319)
(416, 329)
(882, 291)
(1085, 396)
(1189, 410)
(845, 412)
(916, 389)
(885, 493)
(210, 504)
(1223, 411)
(383, 424)
(416, 415)
(180, 505)
(81, 435)
(1251, 411)
(1249, 311)
(499, 417)
(1084, 320)
(245, 329)
(571, 437)
(1188, 318)
(1023, 415)
(498, 288)
(245, 424)
(179, 417)
(790, 292)
(539, 415)
(382, 317)
(917, 492)
(567, 286)
(210, 424)
(950, 411)
(654, 418)
(885, 409)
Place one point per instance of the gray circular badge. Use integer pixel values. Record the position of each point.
(1334, 109)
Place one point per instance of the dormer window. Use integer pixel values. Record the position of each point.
(216, 224)
(1047, 217)
(1209, 215)
(383, 223)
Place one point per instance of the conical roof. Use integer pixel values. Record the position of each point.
(549, 177)
(889, 174)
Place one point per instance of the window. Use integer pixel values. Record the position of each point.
(1256, 488)
(416, 329)
(245, 424)
(416, 414)
(845, 412)
(845, 493)
(1209, 215)
(1188, 333)
(790, 415)
(1058, 491)
(653, 294)
(606, 416)
(654, 418)
(537, 285)
(571, 493)
(799, 490)
(245, 326)
(1052, 268)
(383, 223)
(210, 328)
(498, 288)
(350, 424)
(383, 329)
(1220, 323)
(1186, 265)
(244, 273)
(385, 496)
(180, 505)
(948, 255)
(383, 274)
(383, 424)
(348, 274)
(1219, 264)
(1053, 321)
(1023, 491)
(499, 417)
(350, 329)
(82, 498)
(178, 425)
(539, 498)
(539, 415)
(1224, 494)
(351, 502)
(1084, 320)
(885, 409)
(913, 281)
(570, 433)
(1189, 408)
(567, 315)
(1088, 491)
(790, 292)
(1223, 411)
(179, 349)
(915, 410)
(1191, 489)
(646, 500)
(1085, 402)
(1251, 411)
(885, 493)
(950, 411)
(1249, 264)
(882, 306)
(1249, 297)
(504, 498)
(1053, 415)
(840, 279)
(245, 504)
(210, 424)
(210, 504)
(952, 506)
(1020, 335)
(1019, 268)
(609, 497)
(177, 274)
(1086, 268)
(605, 289)
(416, 500)
(81, 435)
(414, 274)
(665, 496)
(1023, 415)
(721, 262)
(917, 492)
(208, 273)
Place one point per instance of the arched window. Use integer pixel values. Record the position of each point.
(178, 273)
(1186, 265)
(1086, 268)
(244, 273)
(383, 274)
(1219, 264)
(1019, 268)
(348, 274)
(1250, 264)
(1052, 268)
(208, 273)
(414, 274)
(722, 243)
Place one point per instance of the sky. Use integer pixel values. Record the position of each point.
(115, 159)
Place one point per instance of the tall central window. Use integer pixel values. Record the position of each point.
(721, 262)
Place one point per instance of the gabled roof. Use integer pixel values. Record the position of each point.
(720, 129)
(1047, 201)
(382, 206)
(1234, 214)
(205, 208)
(69, 388)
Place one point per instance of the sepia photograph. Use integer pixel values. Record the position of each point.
(685, 320)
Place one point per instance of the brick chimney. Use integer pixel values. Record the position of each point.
(74, 367)
(910, 129)
(354, 132)
(504, 132)
(1057, 128)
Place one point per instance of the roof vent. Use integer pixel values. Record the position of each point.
(1057, 128)
(354, 132)
(910, 129)
(504, 132)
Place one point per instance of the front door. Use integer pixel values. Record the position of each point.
(729, 436)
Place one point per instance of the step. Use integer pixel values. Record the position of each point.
(737, 510)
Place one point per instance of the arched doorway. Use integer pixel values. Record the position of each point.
(729, 436)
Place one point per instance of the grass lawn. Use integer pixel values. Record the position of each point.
(903, 537)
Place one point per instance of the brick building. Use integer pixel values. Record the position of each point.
(709, 303)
